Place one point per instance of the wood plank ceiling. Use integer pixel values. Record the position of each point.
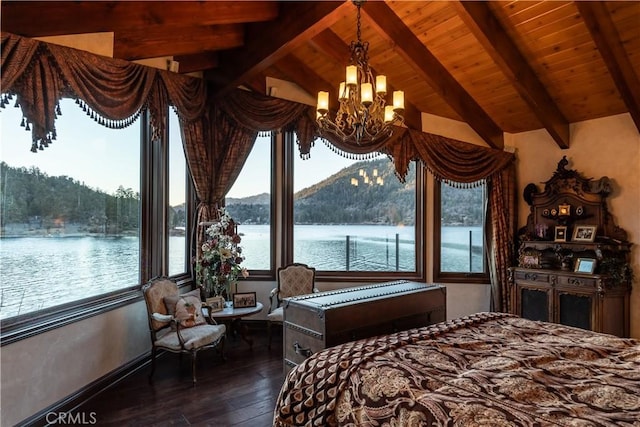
(500, 66)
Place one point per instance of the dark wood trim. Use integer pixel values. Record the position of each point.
(288, 151)
(29, 325)
(275, 136)
(63, 17)
(296, 24)
(350, 276)
(74, 402)
(144, 42)
(196, 62)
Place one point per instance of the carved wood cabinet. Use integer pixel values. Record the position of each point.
(573, 261)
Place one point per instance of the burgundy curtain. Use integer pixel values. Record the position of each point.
(113, 92)
(229, 131)
(460, 162)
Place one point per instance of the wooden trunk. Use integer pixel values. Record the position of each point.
(317, 321)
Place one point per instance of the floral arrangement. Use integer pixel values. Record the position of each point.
(219, 263)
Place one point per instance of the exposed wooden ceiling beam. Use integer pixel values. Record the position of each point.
(605, 35)
(197, 62)
(425, 64)
(154, 42)
(495, 41)
(271, 41)
(257, 83)
(306, 78)
(50, 18)
(332, 45)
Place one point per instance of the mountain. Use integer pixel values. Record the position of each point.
(29, 196)
(335, 200)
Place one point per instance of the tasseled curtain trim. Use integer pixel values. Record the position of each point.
(104, 121)
(349, 155)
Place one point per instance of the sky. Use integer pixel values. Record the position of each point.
(105, 159)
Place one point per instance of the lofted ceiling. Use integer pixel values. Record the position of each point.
(500, 66)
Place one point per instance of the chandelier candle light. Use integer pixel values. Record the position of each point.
(363, 118)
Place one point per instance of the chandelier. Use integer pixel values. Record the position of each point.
(363, 117)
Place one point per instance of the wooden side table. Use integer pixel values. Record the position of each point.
(231, 316)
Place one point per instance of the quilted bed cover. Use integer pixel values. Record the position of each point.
(487, 369)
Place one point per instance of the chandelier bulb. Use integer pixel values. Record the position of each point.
(398, 101)
(381, 84)
(323, 102)
(388, 113)
(366, 94)
(352, 75)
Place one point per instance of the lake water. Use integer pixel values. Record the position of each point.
(41, 272)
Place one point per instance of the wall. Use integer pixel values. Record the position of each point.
(40, 371)
(608, 146)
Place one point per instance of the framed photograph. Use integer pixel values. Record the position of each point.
(215, 303)
(246, 299)
(585, 265)
(530, 259)
(560, 233)
(584, 233)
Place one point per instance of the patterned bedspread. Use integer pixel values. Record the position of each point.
(488, 369)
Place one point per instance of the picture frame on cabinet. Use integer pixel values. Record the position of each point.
(584, 233)
(585, 265)
(530, 259)
(560, 233)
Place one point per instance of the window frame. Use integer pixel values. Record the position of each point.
(453, 277)
(153, 233)
(290, 150)
(270, 274)
(189, 201)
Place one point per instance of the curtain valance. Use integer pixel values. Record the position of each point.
(111, 91)
(447, 159)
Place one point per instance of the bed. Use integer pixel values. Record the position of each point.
(487, 369)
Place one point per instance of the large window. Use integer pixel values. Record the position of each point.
(459, 240)
(249, 203)
(70, 215)
(355, 216)
(177, 207)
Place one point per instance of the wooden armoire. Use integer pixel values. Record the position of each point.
(573, 260)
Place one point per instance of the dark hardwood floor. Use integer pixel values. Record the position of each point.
(240, 391)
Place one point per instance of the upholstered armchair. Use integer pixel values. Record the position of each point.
(179, 323)
(293, 279)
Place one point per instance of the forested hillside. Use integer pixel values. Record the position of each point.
(29, 196)
(336, 201)
(34, 199)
